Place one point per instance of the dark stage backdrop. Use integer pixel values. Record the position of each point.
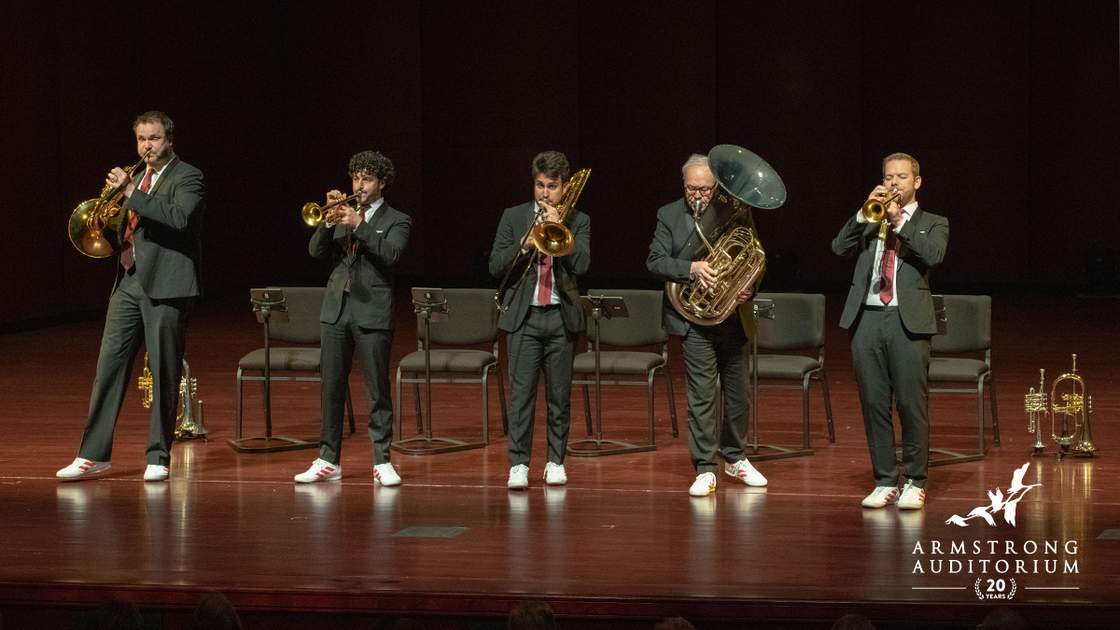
(1010, 105)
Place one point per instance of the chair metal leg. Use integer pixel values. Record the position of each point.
(237, 414)
(980, 413)
(672, 401)
(805, 411)
(397, 404)
(419, 409)
(587, 409)
(649, 388)
(992, 396)
(485, 407)
(827, 406)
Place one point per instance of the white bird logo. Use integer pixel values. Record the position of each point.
(999, 502)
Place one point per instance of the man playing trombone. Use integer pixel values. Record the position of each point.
(157, 281)
(357, 312)
(543, 320)
(890, 318)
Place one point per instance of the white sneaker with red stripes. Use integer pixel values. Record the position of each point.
(82, 467)
(321, 470)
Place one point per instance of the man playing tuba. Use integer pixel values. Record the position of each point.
(712, 354)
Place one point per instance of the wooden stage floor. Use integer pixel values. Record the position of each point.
(621, 546)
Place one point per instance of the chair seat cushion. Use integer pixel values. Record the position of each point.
(786, 366)
(618, 362)
(449, 360)
(294, 359)
(950, 369)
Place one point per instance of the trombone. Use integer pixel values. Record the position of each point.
(550, 238)
(874, 210)
(313, 214)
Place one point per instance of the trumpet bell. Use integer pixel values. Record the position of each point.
(873, 211)
(90, 238)
(312, 214)
(553, 239)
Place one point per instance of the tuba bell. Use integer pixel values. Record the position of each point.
(731, 246)
(95, 224)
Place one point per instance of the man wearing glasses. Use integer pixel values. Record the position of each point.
(713, 355)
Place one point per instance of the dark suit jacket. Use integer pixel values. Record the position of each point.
(507, 251)
(675, 226)
(923, 241)
(166, 240)
(370, 271)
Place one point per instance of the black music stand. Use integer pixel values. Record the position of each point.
(431, 305)
(269, 305)
(597, 307)
(764, 309)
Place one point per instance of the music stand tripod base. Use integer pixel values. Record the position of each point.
(597, 448)
(432, 446)
(274, 444)
(752, 451)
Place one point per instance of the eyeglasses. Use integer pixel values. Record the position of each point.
(703, 190)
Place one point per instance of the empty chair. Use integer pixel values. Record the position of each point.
(791, 348)
(288, 363)
(473, 321)
(968, 327)
(642, 328)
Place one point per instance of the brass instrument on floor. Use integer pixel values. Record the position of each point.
(1076, 409)
(93, 218)
(743, 181)
(313, 214)
(874, 210)
(189, 425)
(551, 238)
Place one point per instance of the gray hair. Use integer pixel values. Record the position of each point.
(694, 160)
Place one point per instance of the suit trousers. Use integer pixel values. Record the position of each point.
(339, 342)
(540, 343)
(714, 356)
(892, 365)
(161, 325)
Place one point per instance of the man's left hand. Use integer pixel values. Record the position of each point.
(744, 295)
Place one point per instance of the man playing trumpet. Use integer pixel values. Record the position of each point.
(890, 318)
(357, 312)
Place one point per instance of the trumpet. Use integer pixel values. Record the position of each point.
(92, 218)
(875, 210)
(313, 214)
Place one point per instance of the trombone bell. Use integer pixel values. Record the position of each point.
(553, 239)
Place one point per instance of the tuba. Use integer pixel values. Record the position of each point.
(731, 248)
(189, 425)
(551, 238)
(93, 219)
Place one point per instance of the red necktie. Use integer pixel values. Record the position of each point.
(886, 267)
(544, 287)
(128, 257)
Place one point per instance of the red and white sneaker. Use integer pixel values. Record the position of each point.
(704, 485)
(82, 467)
(321, 470)
(386, 474)
(913, 497)
(743, 471)
(881, 497)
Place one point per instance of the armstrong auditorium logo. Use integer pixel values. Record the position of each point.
(995, 564)
(1007, 504)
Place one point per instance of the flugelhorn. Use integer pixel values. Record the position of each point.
(95, 224)
(550, 238)
(189, 424)
(1070, 399)
(874, 210)
(313, 214)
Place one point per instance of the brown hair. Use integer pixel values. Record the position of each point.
(156, 116)
(901, 156)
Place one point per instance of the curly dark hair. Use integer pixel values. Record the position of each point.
(553, 164)
(375, 164)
